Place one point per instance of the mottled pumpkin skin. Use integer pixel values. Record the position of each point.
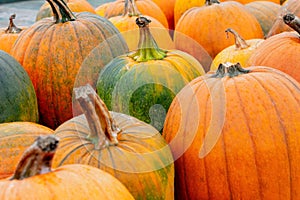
(280, 52)
(53, 52)
(146, 89)
(209, 24)
(18, 100)
(141, 160)
(67, 182)
(74, 5)
(15, 138)
(265, 12)
(257, 152)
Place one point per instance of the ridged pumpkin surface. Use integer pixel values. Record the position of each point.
(52, 52)
(18, 100)
(241, 135)
(15, 138)
(168, 8)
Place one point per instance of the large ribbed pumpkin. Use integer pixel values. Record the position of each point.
(52, 51)
(281, 51)
(15, 138)
(127, 148)
(168, 8)
(74, 5)
(33, 178)
(144, 82)
(206, 24)
(18, 101)
(240, 135)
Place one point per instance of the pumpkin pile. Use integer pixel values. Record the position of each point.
(149, 99)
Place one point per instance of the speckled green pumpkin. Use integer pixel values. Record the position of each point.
(18, 100)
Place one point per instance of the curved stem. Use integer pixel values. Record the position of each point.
(61, 12)
(147, 47)
(12, 28)
(103, 129)
(292, 21)
(240, 43)
(37, 159)
(229, 69)
(130, 9)
(211, 2)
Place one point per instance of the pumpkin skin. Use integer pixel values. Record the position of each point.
(74, 5)
(101, 9)
(257, 149)
(168, 8)
(140, 158)
(209, 24)
(265, 12)
(34, 178)
(52, 52)
(15, 138)
(18, 100)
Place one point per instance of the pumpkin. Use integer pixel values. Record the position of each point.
(144, 82)
(279, 26)
(74, 5)
(34, 178)
(208, 24)
(126, 25)
(168, 8)
(15, 138)
(18, 100)
(181, 6)
(265, 12)
(281, 51)
(9, 35)
(131, 150)
(101, 9)
(236, 135)
(147, 7)
(52, 52)
(239, 52)
(249, 1)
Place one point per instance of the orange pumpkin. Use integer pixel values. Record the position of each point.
(168, 8)
(209, 22)
(15, 137)
(9, 35)
(281, 51)
(51, 51)
(101, 9)
(237, 135)
(34, 179)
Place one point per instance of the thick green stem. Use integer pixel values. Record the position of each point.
(147, 47)
(103, 128)
(240, 43)
(61, 12)
(12, 28)
(130, 9)
(292, 21)
(37, 159)
(211, 2)
(229, 69)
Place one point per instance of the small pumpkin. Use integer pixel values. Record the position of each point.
(127, 148)
(9, 35)
(237, 53)
(144, 82)
(281, 51)
(239, 129)
(18, 100)
(35, 179)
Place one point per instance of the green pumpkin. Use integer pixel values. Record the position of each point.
(18, 100)
(143, 83)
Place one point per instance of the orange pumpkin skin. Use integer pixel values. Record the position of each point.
(248, 1)
(257, 151)
(168, 8)
(181, 6)
(52, 53)
(101, 9)
(15, 137)
(209, 25)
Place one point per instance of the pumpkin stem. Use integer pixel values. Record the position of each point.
(229, 69)
(147, 47)
(61, 12)
(211, 2)
(240, 43)
(292, 21)
(37, 159)
(103, 129)
(12, 28)
(130, 9)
